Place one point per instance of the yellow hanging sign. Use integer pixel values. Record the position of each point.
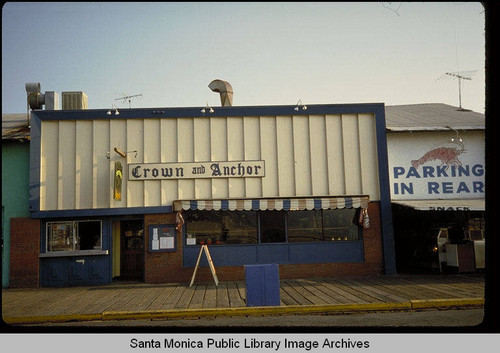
(117, 195)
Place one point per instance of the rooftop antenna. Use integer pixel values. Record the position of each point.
(129, 98)
(461, 75)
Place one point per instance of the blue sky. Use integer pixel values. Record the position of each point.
(271, 53)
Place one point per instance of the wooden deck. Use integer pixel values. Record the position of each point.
(147, 297)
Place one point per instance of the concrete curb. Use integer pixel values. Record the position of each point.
(446, 303)
(249, 311)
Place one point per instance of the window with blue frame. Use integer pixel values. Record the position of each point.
(74, 235)
(254, 227)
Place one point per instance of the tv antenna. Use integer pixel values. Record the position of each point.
(129, 98)
(461, 75)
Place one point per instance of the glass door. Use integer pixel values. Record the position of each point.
(132, 250)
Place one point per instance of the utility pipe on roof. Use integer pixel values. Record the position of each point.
(225, 90)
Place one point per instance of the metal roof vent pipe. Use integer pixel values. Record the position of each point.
(225, 90)
(36, 99)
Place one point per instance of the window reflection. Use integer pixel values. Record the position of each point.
(272, 227)
(242, 227)
(305, 226)
(340, 224)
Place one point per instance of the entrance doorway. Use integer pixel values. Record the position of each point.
(132, 250)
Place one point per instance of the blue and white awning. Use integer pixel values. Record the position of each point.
(278, 204)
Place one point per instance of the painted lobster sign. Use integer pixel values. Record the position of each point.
(446, 155)
(445, 171)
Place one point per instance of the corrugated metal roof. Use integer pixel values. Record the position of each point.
(431, 116)
(15, 127)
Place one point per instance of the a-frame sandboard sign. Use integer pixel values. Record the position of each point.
(210, 263)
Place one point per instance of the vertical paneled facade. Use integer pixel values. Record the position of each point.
(321, 158)
(305, 155)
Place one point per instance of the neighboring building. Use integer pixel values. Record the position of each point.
(437, 178)
(15, 181)
(261, 184)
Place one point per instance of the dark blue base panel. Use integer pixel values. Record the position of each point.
(291, 253)
(75, 271)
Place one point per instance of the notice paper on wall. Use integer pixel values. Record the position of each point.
(162, 237)
(166, 243)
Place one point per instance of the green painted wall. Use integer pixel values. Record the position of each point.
(15, 193)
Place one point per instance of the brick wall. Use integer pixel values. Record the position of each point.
(24, 251)
(167, 267)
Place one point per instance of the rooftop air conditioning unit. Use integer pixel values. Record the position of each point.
(74, 101)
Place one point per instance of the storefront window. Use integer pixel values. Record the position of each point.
(340, 225)
(60, 236)
(272, 227)
(241, 227)
(74, 236)
(221, 227)
(304, 226)
(204, 226)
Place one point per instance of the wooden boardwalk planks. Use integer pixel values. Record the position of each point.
(313, 291)
(185, 298)
(198, 296)
(174, 296)
(235, 299)
(210, 296)
(294, 292)
(343, 288)
(222, 300)
(309, 291)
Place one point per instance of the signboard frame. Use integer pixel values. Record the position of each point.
(162, 238)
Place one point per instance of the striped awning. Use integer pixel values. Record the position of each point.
(285, 204)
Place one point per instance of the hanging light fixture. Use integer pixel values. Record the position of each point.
(299, 103)
(204, 109)
(115, 108)
(456, 139)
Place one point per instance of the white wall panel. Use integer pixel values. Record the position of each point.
(351, 154)
(185, 153)
(368, 156)
(101, 184)
(152, 152)
(66, 166)
(135, 142)
(218, 137)
(48, 165)
(269, 151)
(319, 159)
(202, 152)
(235, 152)
(335, 154)
(252, 152)
(84, 161)
(302, 156)
(285, 157)
(169, 188)
(316, 155)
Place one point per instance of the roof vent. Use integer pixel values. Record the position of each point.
(36, 99)
(225, 90)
